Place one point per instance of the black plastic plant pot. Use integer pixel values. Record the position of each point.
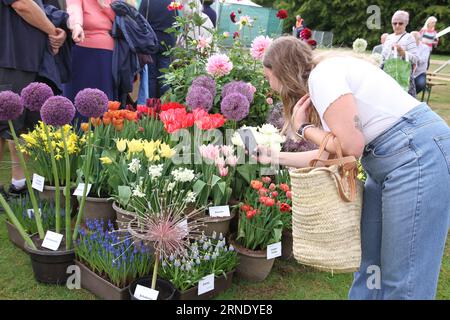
(51, 266)
(165, 288)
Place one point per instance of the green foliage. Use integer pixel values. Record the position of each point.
(347, 19)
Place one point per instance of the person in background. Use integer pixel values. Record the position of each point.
(403, 43)
(428, 33)
(379, 48)
(91, 22)
(299, 25)
(26, 33)
(210, 11)
(160, 18)
(423, 55)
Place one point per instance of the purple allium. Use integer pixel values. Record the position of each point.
(91, 103)
(235, 106)
(205, 82)
(275, 116)
(238, 87)
(199, 97)
(57, 111)
(11, 106)
(35, 94)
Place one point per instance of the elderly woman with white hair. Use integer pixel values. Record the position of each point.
(402, 42)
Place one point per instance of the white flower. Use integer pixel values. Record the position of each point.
(190, 197)
(268, 129)
(183, 175)
(155, 171)
(237, 140)
(359, 45)
(138, 192)
(134, 166)
(245, 21)
(171, 186)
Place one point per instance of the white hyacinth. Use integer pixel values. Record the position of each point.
(183, 175)
(155, 171)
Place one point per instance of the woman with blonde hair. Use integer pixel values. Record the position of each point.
(91, 23)
(429, 33)
(403, 145)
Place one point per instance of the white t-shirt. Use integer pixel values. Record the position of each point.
(380, 100)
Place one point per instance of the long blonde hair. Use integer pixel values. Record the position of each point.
(291, 62)
(429, 20)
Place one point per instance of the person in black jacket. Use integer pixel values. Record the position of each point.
(160, 18)
(210, 12)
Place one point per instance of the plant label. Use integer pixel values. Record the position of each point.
(144, 293)
(222, 211)
(206, 284)
(52, 240)
(38, 182)
(274, 251)
(30, 213)
(80, 188)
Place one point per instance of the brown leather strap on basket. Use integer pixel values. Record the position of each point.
(347, 169)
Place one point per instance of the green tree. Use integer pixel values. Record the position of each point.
(347, 19)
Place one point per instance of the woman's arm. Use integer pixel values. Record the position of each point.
(289, 159)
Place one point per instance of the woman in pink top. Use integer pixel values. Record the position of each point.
(91, 23)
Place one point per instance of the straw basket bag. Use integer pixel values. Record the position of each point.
(326, 210)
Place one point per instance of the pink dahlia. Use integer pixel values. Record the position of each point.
(259, 46)
(219, 65)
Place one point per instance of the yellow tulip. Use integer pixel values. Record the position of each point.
(166, 151)
(135, 146)
(106, 160)
(121, 145)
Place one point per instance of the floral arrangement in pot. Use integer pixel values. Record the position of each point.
(260, 225)
(165, 226)
(205, 256)
(49, 266)
(109, 260)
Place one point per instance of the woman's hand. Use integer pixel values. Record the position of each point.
(301, 112)
(77, 33)
(267, 155)
(400, 50)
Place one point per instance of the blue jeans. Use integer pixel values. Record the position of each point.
(421, 82)
(406, 211)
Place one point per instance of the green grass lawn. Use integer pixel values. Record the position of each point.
(288, 280)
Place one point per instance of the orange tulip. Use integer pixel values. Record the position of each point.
(96, 121)
(119, 127)
(130, 116)
(113, 105)
(84, 126)
(106, 121)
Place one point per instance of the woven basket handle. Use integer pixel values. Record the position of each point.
(348, 169)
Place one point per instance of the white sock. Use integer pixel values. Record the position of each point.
(18, 184)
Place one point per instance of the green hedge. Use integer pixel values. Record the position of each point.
(347, 18)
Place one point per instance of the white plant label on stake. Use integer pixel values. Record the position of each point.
(38, 182)
(144, 293)
(274, 251)
(52, 240)
(218, 212)
(206, 284)
(184, 226)
(80, 188)
(30, 213)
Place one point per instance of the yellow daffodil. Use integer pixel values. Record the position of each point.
(121, 145)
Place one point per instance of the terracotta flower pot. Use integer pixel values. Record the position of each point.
(123, 217)
(50, 266)
(99, 209)
(253, 265)
(221, 284)
(286, 245)
(99, 286)
(49, 195)
(14, 235)
(165, 288)
(219, 224)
